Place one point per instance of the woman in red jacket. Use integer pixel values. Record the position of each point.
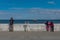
(52, 27)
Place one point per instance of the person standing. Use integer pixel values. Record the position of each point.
(11, 25)
(52, 27)
(47, 26)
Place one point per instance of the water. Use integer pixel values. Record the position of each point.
(29, 21)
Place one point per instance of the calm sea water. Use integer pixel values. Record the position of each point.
(29, 21)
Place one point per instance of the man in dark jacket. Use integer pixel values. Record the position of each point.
(11, 24)
(47, 26)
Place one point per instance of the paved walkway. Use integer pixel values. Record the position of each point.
(29, 35)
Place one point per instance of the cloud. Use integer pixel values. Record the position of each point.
(32, 13)
(2, 12)
(35, 10)
(51, 2)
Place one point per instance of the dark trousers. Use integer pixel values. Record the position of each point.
(52, 28)
(10, 28)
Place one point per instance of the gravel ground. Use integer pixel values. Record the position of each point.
(29, 35)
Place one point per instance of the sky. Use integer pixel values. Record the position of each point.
(30, 9)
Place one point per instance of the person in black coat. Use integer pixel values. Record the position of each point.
(11, 24)
(47, 26)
